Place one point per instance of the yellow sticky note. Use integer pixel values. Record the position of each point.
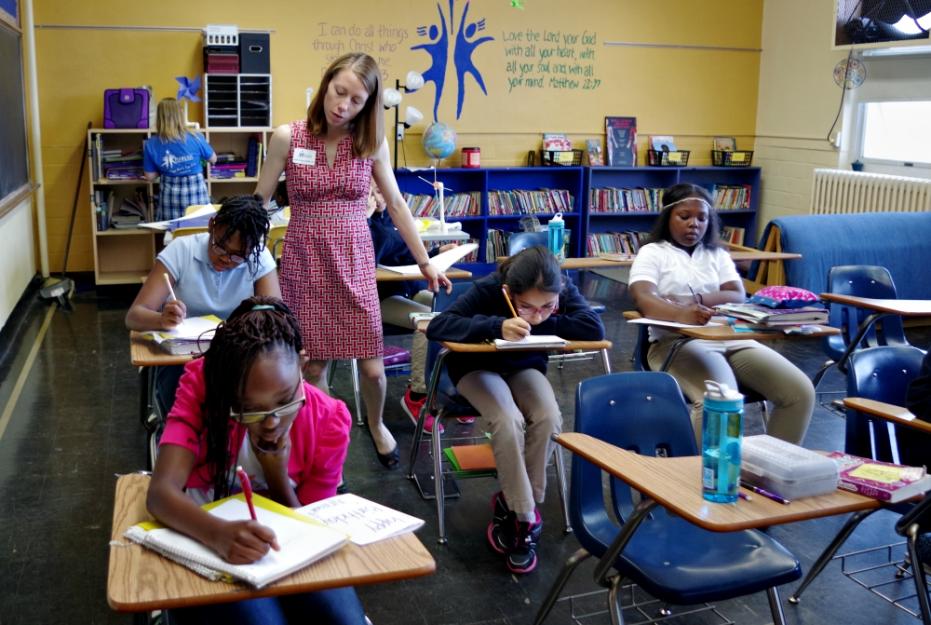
(675, 157)
(738, 157)
(877, 473)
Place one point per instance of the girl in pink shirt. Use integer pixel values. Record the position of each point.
(245, 403)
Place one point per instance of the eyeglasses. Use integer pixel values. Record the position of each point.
(546, 309)
(224, 255)
(281, 412)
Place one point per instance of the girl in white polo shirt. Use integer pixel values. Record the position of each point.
(679, 276)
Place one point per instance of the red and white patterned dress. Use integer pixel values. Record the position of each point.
(328, 264)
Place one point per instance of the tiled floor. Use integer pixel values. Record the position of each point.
(76, 425)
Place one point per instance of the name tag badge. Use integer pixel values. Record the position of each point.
(303, 156)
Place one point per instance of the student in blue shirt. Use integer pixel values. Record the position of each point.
(211, 273)
(175, 155)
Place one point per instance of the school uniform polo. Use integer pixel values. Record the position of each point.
(203, 289)
(319, 439)
(676, 272)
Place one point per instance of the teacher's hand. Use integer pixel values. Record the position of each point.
(436, 278)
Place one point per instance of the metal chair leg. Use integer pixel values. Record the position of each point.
(356, 390)
(829, 551)
(563, 491)
(567, 570)
(605, 361)
(438, 484)
(775, 606)
(918, 573)
(614, 601)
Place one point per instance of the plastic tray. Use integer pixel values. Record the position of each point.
(786, 469)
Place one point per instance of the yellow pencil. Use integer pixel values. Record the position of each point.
(507, 298)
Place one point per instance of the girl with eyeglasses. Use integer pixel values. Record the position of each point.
(210, 274)
(245, 403)
(509, 390)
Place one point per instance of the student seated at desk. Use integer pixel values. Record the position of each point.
(679, 276)
(400, 299)
(210, 273)
(510, 390)
(245, 403)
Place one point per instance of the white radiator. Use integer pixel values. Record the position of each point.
(837, 191)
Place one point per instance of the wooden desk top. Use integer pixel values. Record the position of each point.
(751, 254)
(675, 483)
(383, 275)
(889, 412)
(903, 307)
(145, 353)
(486, 348)
(139, 579)
(597, 262)
(727, 333)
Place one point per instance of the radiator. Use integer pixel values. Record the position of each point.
(838, 191)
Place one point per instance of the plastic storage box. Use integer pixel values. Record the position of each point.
(786, 469)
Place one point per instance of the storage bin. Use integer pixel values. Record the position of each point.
(676, 158)
(731, 158)
(786, 469)
(561, 158)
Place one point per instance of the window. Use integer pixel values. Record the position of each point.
(897, 132)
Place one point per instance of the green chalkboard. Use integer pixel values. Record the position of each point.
(14, 173)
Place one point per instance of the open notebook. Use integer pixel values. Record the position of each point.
(191, 336)
(303, 541)
(533, 341)
(364, 521)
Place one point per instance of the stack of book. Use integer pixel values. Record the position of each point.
(880, 480)
(456, 205)
(770, 317)
(620, 200)
(519, 202)
(119, 165)
(614, 243)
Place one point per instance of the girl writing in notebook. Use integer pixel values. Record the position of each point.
(328, 266)
(175, 156)
(509, 389)
(245, 403)
(679, 276)
(206, 274)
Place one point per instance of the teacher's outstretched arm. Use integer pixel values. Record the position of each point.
(401, 216)
(274, 163)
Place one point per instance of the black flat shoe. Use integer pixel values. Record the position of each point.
(390, 460)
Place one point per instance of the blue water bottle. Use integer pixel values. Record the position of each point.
(555, 238)
(722, 431)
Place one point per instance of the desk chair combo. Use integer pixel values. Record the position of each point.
(877, 383)
(670, 558)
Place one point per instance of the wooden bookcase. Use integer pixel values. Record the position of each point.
(485, 181)
(125, 256)
(661, 177)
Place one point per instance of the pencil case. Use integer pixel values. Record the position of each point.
(786, 469)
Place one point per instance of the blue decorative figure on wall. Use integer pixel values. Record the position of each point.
(438, 51)
(462, 56)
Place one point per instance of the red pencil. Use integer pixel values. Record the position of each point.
(246, 490)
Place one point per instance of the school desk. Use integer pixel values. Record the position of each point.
(434, 486)
(140, 580)
(881, 308)
(384, 275)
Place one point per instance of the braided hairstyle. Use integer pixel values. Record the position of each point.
(259, 325)
(246, 215)
(533, 268)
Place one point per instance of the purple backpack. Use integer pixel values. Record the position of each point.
(126, 108)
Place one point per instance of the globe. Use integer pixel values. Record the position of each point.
(439, 140)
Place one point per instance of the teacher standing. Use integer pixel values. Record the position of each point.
(328, 264)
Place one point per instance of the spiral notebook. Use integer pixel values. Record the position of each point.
(303, 541)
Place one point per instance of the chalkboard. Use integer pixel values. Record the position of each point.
(13, 154)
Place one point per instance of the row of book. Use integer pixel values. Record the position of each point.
(520, 202)
(456, 205)
(733, 234)
(617, 200)
(614, 243)
(731, 196)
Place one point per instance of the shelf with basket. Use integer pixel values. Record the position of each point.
(625, 200)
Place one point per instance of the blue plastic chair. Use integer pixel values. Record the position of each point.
(882, 374)
(861, 281)
(667, 556)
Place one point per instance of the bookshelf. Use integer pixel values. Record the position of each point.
(503, 202)
(737, 193)
(125, 255)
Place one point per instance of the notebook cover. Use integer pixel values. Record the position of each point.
(474, 457)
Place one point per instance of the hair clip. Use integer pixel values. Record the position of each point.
(258, 307)
(686, 199)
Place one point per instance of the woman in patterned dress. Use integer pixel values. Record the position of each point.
(328, 266)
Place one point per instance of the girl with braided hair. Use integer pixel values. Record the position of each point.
(245, 403)
(211, 273)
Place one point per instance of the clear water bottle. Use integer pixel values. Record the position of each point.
(556, 233)
(722, 431)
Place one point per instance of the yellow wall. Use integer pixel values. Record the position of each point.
(692, 94)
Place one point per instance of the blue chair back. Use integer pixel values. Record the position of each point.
(519, 241)
(643, 412)
(883, 374)
(861, 281)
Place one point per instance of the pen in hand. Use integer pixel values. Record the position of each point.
(246, 490)
(171, 291)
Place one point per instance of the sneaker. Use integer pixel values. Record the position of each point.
(466, 420)
(412, 407)
(502, 520)
(523, 557)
